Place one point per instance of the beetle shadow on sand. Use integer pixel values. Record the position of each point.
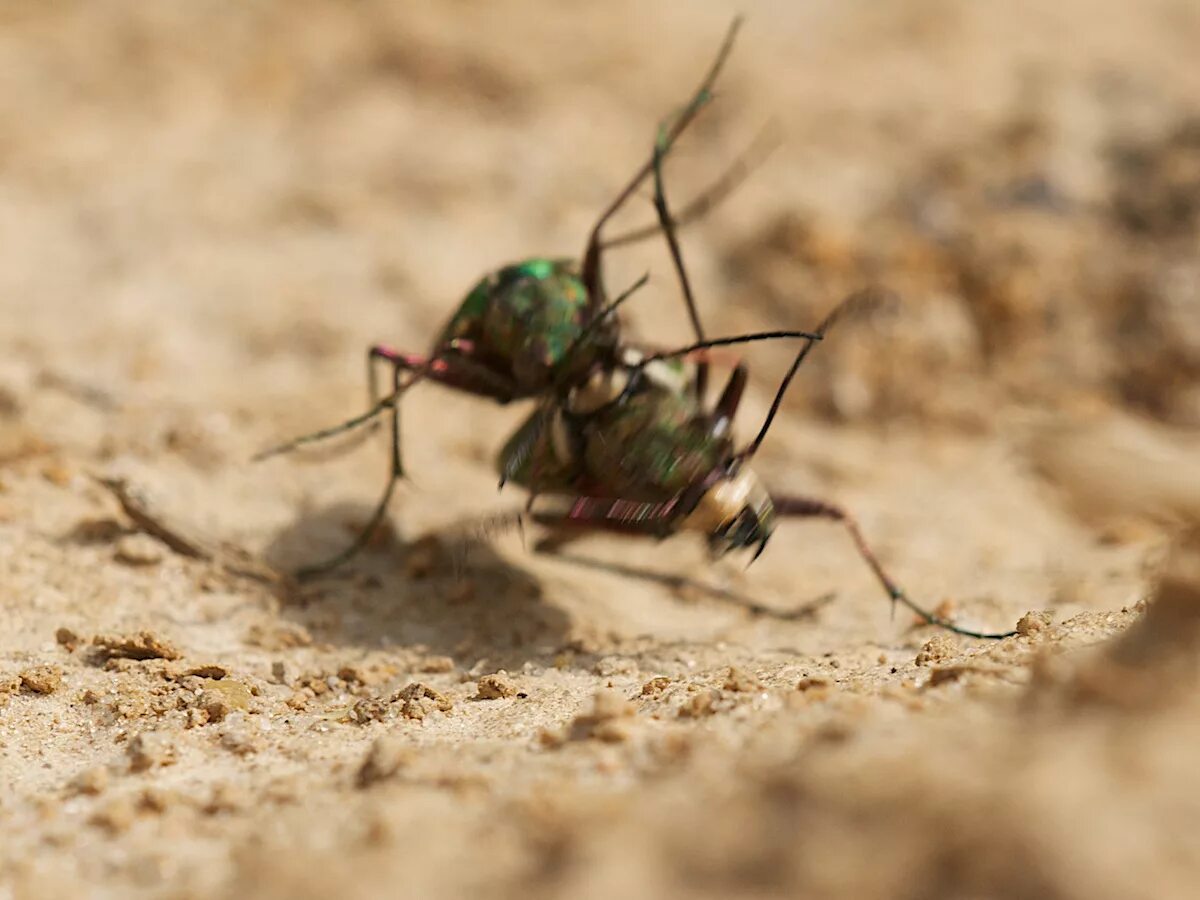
(449, 595)
(435, 592)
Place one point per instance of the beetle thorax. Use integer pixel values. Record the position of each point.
(725, 500)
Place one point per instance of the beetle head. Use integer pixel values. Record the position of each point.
(734, 512)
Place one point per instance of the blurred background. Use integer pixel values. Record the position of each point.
(208, 211)
(280, 183)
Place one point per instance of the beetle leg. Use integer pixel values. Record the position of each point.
(453, 368)
(861, 301)
(806, 507)
(591, 273)
(395, 473)
(526, 449)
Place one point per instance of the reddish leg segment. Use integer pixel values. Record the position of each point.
(453, 366)
(634, 517)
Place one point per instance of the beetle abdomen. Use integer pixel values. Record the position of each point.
(651, 447)
(535, 454)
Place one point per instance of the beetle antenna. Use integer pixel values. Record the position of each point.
(668, 229)
(864, 300)
(610, 308)
(748, 338)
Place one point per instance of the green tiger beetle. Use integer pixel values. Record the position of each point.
(634, 451)
(539, 326)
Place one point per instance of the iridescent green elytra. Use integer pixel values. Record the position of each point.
(652, 443)
(524, 322)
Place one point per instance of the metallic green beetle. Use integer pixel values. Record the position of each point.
(528, 329)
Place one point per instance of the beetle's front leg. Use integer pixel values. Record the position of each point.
(454, 368)
(395, 473)
(454, 365)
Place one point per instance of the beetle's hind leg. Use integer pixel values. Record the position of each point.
(806, 507)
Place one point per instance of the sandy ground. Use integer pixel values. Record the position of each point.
(208, 213)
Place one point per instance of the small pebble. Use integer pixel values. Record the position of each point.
(937, 648)
(1033, 623)
(67, 638)
(223, 697)
(42, 679)
(419, 700)
(655, 686)
(738, 680)
(143, 645)
(495, 687)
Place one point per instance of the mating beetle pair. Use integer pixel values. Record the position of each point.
(622, 439)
